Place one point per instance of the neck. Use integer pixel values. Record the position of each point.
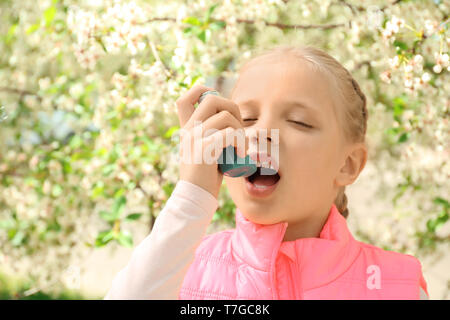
(309, 227)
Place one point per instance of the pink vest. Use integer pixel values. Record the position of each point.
(252, 262)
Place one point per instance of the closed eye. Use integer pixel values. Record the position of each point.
(296, 122)
(301, 123)
(246, 120)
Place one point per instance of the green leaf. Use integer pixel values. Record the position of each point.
(67, 167)
(33, 28)
(194, 79)
(431, 225)
(392, 131)
(168, 188)
(434, 224)
(217, 25)
(100, 42)
(115, 153)
(99, 189)
(119, 192)
(152, 146)
(11, 233)
(204, 35)
(104, 237)
(133, 216)
(118, 206)
(400, 45)
(18, 239)
(108, 169)
(49, 15)
(399, 104)
(11, 33)
(192, 20)
(171, 131)
(53, 225)
(107, 216)
(188, 30)
(76, 142)
(101, 152)
(209, 12)
(441, 219)
(442, 202)
(404, 137)
(125, 239)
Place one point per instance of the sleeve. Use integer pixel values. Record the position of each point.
(160, 262)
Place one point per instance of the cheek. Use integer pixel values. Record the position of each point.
(311, 157)
(232, 185)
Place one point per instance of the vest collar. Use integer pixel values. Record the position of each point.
(317, 260)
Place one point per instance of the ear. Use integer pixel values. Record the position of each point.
(354, 162)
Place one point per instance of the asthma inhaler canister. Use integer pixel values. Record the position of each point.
(230, 164)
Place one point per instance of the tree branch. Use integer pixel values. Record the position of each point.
(352, 7)
(295, 26)
(270, 24)
(20, 92)
(156, 55)
(359, 8)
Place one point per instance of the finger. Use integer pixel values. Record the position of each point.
(219, 140)
(242, 148)
(185, 104)
(222, 120)
(219, 121)
(212, 105)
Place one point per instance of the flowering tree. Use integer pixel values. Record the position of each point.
(88, 123)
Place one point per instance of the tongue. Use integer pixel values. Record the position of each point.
(264, 180)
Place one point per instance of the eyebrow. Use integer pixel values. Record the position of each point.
(291, 103)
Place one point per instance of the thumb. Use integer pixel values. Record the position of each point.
(185, 104)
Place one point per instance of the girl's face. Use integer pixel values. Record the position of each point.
(310, 159)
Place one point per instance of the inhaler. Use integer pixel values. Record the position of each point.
(230, 164)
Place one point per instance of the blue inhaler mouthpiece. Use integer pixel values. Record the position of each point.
(230, 164)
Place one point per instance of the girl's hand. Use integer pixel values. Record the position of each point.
(214, 113)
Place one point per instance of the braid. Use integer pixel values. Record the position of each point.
(364, 101)
(341, 202)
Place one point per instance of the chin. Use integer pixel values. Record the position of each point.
(260, 211)
(260, 217)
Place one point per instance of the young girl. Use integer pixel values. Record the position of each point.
(291, 239)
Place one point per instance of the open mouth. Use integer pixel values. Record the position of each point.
(263, 178)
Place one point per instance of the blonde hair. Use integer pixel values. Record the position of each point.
(353, 108)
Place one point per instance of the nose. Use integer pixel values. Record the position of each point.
(263, 137)
(264, 145)
(258, 135)
(263, 131)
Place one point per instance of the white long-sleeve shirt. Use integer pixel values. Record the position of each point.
(160, 262)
